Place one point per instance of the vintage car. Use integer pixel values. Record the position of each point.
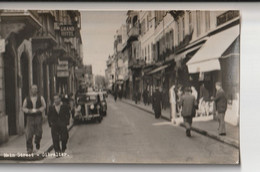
(88, 108)
(103, 101)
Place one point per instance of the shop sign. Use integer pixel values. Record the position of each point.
(67, 31)
(2, 45)
(62, 73)
(63, 69)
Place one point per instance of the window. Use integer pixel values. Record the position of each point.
(178, 32)
(190, 22)
(147, 22)
(148, 53)
(143, 27)
(198, 20)
(207, 20)
(145, 55)
(183, 28)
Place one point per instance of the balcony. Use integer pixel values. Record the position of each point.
(60, 48)
(133, 32)
(24, 22)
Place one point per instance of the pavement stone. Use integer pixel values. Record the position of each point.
(204, 125)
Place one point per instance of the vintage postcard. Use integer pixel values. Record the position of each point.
(123, 87)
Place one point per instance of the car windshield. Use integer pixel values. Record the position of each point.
(91, 98)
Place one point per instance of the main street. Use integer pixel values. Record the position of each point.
(130, 135)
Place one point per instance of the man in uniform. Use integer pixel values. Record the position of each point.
(58, 118)
(33, 107)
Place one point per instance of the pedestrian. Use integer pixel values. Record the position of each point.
(204, 101)
(157, 102)
(145, 96)
(188, 104)
(58, 118)
(33, 108)
(221, 107)
(164, 99)
(115, 95)
(172, 101)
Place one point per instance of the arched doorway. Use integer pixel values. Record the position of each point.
(25, 77)
(10, 88)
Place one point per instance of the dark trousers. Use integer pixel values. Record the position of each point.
(221, 122)
(59, 134)
(187, 122)
(33, 127)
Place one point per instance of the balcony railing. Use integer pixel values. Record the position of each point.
(133, 32)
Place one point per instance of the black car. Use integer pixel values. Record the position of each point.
(88, 108)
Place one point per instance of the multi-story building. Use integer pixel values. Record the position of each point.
(33, 45)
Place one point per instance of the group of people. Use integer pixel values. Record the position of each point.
(58, 118)
(184, 101)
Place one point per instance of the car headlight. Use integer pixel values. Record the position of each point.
(92, 107)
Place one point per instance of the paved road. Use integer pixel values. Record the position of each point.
(130, 135)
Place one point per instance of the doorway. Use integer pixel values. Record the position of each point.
(10, 88)
(25, 77)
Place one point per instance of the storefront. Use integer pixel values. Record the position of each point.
(221, 64)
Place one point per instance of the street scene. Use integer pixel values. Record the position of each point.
(126, 87)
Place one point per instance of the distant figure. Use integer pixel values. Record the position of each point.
(188, 109)
(136, 96)
(164, 99)
(145, 96)
(115, 96)
(221, 107)
(204, 101)
(157, 101)
(172, 100)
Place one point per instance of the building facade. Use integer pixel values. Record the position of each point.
(166, 48)
(33, 45)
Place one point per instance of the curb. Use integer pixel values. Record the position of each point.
(221, 139)
(31, 157)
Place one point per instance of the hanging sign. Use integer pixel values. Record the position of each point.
(67, 30)
(63, 69)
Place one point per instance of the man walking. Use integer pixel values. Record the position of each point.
(157, 102)
(188, 109)
(33, 107)
(221, 107)
(58, 118)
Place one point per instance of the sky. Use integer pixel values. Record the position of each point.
(97, 30)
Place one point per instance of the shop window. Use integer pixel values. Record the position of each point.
(198, 20)
(207, 20)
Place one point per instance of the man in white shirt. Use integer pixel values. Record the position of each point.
(33, 108)
(172, 97)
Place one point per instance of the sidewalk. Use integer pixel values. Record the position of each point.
(15, 148)
(203, 125)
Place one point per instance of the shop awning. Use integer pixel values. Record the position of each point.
(207, 57)
(158, 69)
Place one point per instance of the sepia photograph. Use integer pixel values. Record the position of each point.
(120, 86)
